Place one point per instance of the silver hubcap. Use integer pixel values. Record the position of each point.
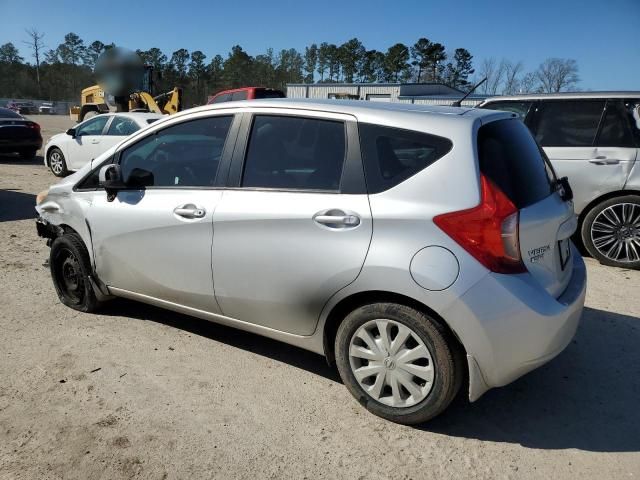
(391, 363)
(55, 161)
(616, 232)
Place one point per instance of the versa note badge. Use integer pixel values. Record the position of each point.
(537, 254)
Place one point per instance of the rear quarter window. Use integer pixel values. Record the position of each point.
(392, 155)
(510, 158)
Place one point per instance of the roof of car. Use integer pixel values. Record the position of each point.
(573, 95)
(357, 108)
(136, 115)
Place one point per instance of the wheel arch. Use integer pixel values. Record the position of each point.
(603, 198)
(358, 299)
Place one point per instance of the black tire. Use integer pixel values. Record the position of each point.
(70, 270)
(595, 241)
(57, 163)
(446, 356)
(27, 154)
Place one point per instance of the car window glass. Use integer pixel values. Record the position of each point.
(632, 112)
(391, 155)
(222, 98)
(182, 155)
(294, 153)
(6, 113)
(519, 108)
(615, 131)
(568, 123)
(239, 95)
(122, 126)
(93, 126)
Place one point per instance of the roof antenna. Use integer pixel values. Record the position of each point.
(458, 103)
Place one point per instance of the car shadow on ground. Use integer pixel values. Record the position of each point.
(14, 159)
(266, 347)
(586, 398)
(16, 205)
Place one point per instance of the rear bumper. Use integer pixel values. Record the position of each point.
(15, 145)
(509, 325)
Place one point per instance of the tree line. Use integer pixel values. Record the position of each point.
(60, 73)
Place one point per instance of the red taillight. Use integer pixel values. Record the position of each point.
(33, 125)
(489, 231)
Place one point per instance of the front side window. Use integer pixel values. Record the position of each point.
(571, 123)
(391, 155)
(182, 155)
(93, 126)
(519, 108)
(122, 126)
(294, 153)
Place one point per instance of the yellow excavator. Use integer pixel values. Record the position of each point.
(95, 99)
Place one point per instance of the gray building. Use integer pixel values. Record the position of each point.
(417, 93)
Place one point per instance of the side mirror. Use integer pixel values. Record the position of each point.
(110, 177)
(72, 132)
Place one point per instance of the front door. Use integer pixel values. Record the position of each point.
(155, 238)
(289, 236)
(86, 144)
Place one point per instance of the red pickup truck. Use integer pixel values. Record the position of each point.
(245, 93)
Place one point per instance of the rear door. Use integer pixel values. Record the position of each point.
(294, 226)
(510, 158)
(567, 130)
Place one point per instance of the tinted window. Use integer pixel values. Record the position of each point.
(93, 126)
(91, 180)
(122, 126)
(519, 108)
(151, 120)
(391, 155)
(269, 93)
(239, 95)
(615, 130)
(567, 123)
(294, 153)
(182, 155)
(511, 159)
(6, 113)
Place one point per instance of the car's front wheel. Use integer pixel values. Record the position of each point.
(611, 232)
(57, 162)
(71, 270)
(398, 362)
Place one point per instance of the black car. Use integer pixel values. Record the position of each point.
(17, 134)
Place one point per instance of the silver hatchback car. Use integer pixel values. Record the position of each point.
(415, 247)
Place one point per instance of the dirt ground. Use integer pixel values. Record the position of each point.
(138, 392)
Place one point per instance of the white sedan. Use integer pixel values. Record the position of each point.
(70, 151)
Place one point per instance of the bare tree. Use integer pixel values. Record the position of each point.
(558, 74)
(512, 80)
(494, 72)
(36, 44)
(529, 83)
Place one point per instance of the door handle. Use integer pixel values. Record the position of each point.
(603, 160)
(190, 211)
(339, 220)
(95, 141)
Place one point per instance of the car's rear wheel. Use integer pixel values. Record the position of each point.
(57, 162)
(28, 154)
(398, 362)
(71, 270)
(611, 232)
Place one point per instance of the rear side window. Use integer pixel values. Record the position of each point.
(519, 108)
(571, 123)
(615, 130)
(182, 155)
(294, 153)
(222, 98)
(239, 95)
(122, 126)
(391, 155)
(511, 159)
